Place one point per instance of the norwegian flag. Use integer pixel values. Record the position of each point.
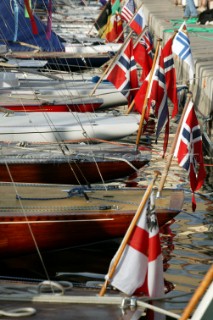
(181, 47)
(123, 73)
(140, 269)
(143, 53)
(189, 150)
(170, 75)
(156, 98)
(139, 22)
(128, 10)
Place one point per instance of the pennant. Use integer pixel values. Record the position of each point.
(170, 75)
(181, 47)
(189, 151)
(139, 22)
(32, 19)
(128, 11)
(140, 269)
(123, 73)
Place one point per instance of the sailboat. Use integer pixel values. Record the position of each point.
(42, 91)
(61, 216)
(70, 163)
(65, 126)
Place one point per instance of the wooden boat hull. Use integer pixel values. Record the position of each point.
(45, 217)
(70, 172)
(70, 164)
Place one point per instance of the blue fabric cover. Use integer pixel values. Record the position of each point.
(24, 31)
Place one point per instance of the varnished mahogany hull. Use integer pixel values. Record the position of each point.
(68, 173)
(56, 231)
(60, 216)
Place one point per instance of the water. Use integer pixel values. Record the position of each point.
(192, 255)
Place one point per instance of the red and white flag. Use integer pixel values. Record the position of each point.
(140, 269)
(189, 150)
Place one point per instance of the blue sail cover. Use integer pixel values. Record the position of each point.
(15, 28)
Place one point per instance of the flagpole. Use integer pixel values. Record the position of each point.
(147, 92)
(172, 149)
(112, 61)
(198, 294)
(129, 232)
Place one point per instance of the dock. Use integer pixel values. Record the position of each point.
(163, 18)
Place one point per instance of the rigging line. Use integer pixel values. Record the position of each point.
(29, 226)
(97, 166)
(71, 167)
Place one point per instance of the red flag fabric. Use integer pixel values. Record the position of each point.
(123, 73)
(170, 75)
(140, 96)
(140, 269)
(189, 150)
(33, 23)
(138, 23)
(114, 29)
(143, 53)
(156, 98)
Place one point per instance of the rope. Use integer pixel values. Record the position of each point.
(16, 313)
(72, 192)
